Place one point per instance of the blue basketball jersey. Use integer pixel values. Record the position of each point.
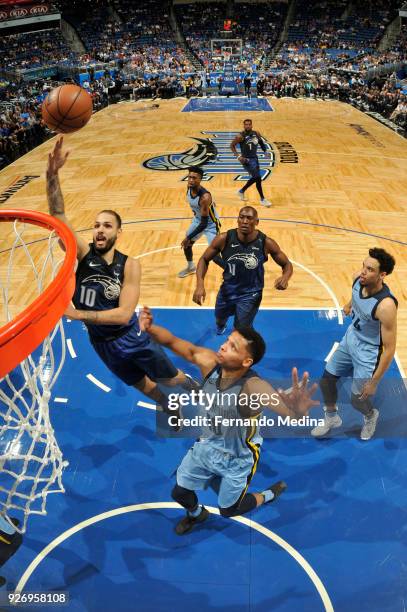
(364, 324)
(244, 266)
(250, 143)
(213, 220)
(98, 286)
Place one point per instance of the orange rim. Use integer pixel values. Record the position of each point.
(21, 336)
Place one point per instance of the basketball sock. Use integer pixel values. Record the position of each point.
(260, 188)
(6, 527)
(190, 265)
(188, 254)
(331, 410)
(274, 492)
(195, 512)
(268, 495)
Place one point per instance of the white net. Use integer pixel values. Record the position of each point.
(222, 47)
(31, 462)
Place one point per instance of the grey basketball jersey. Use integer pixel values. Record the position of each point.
(364, 324)
(229, 431)
(196, 209)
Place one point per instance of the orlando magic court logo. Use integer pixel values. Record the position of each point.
(250, 261)
(214, 156)
(199, 155)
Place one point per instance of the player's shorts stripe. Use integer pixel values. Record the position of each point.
(256, 456)
(214, 218)
(3, 539)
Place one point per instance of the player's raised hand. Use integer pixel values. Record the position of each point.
(145, 319)
(199, 296)
(57, 157)
(299, 397)
(281, 283)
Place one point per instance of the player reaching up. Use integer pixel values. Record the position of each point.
(229, 448)
(106, 295)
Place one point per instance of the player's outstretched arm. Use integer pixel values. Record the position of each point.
(56, 205)
(273, 249)
(129, 296)
(216, 246)
(386, 313)
(294, 402)
(202, 357)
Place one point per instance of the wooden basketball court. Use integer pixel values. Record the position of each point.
(347, 193)
(338, 187)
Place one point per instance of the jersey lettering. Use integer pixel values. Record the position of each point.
(88, 296)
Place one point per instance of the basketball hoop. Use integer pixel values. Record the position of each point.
(32, 352)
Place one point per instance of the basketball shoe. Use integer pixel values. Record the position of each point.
(187, 523)
(187, 271)
(369, 427)
(331, 421)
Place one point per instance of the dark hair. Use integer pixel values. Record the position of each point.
(256, 344)
(256, 214)
(114, 214)
(386, 261)
(196, 169)
(247, 120)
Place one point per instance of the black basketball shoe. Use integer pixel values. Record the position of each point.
(188, 522)
(277, 488)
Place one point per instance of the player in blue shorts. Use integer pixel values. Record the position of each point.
(228, 450)
(244, 252)
(205, 222)
(106, 295)
(249, 140)
(368, 346)
(10, 541)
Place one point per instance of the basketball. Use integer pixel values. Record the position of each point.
(67, 108)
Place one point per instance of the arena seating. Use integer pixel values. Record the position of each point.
(331, 51)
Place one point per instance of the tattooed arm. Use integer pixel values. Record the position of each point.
(56, 159)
